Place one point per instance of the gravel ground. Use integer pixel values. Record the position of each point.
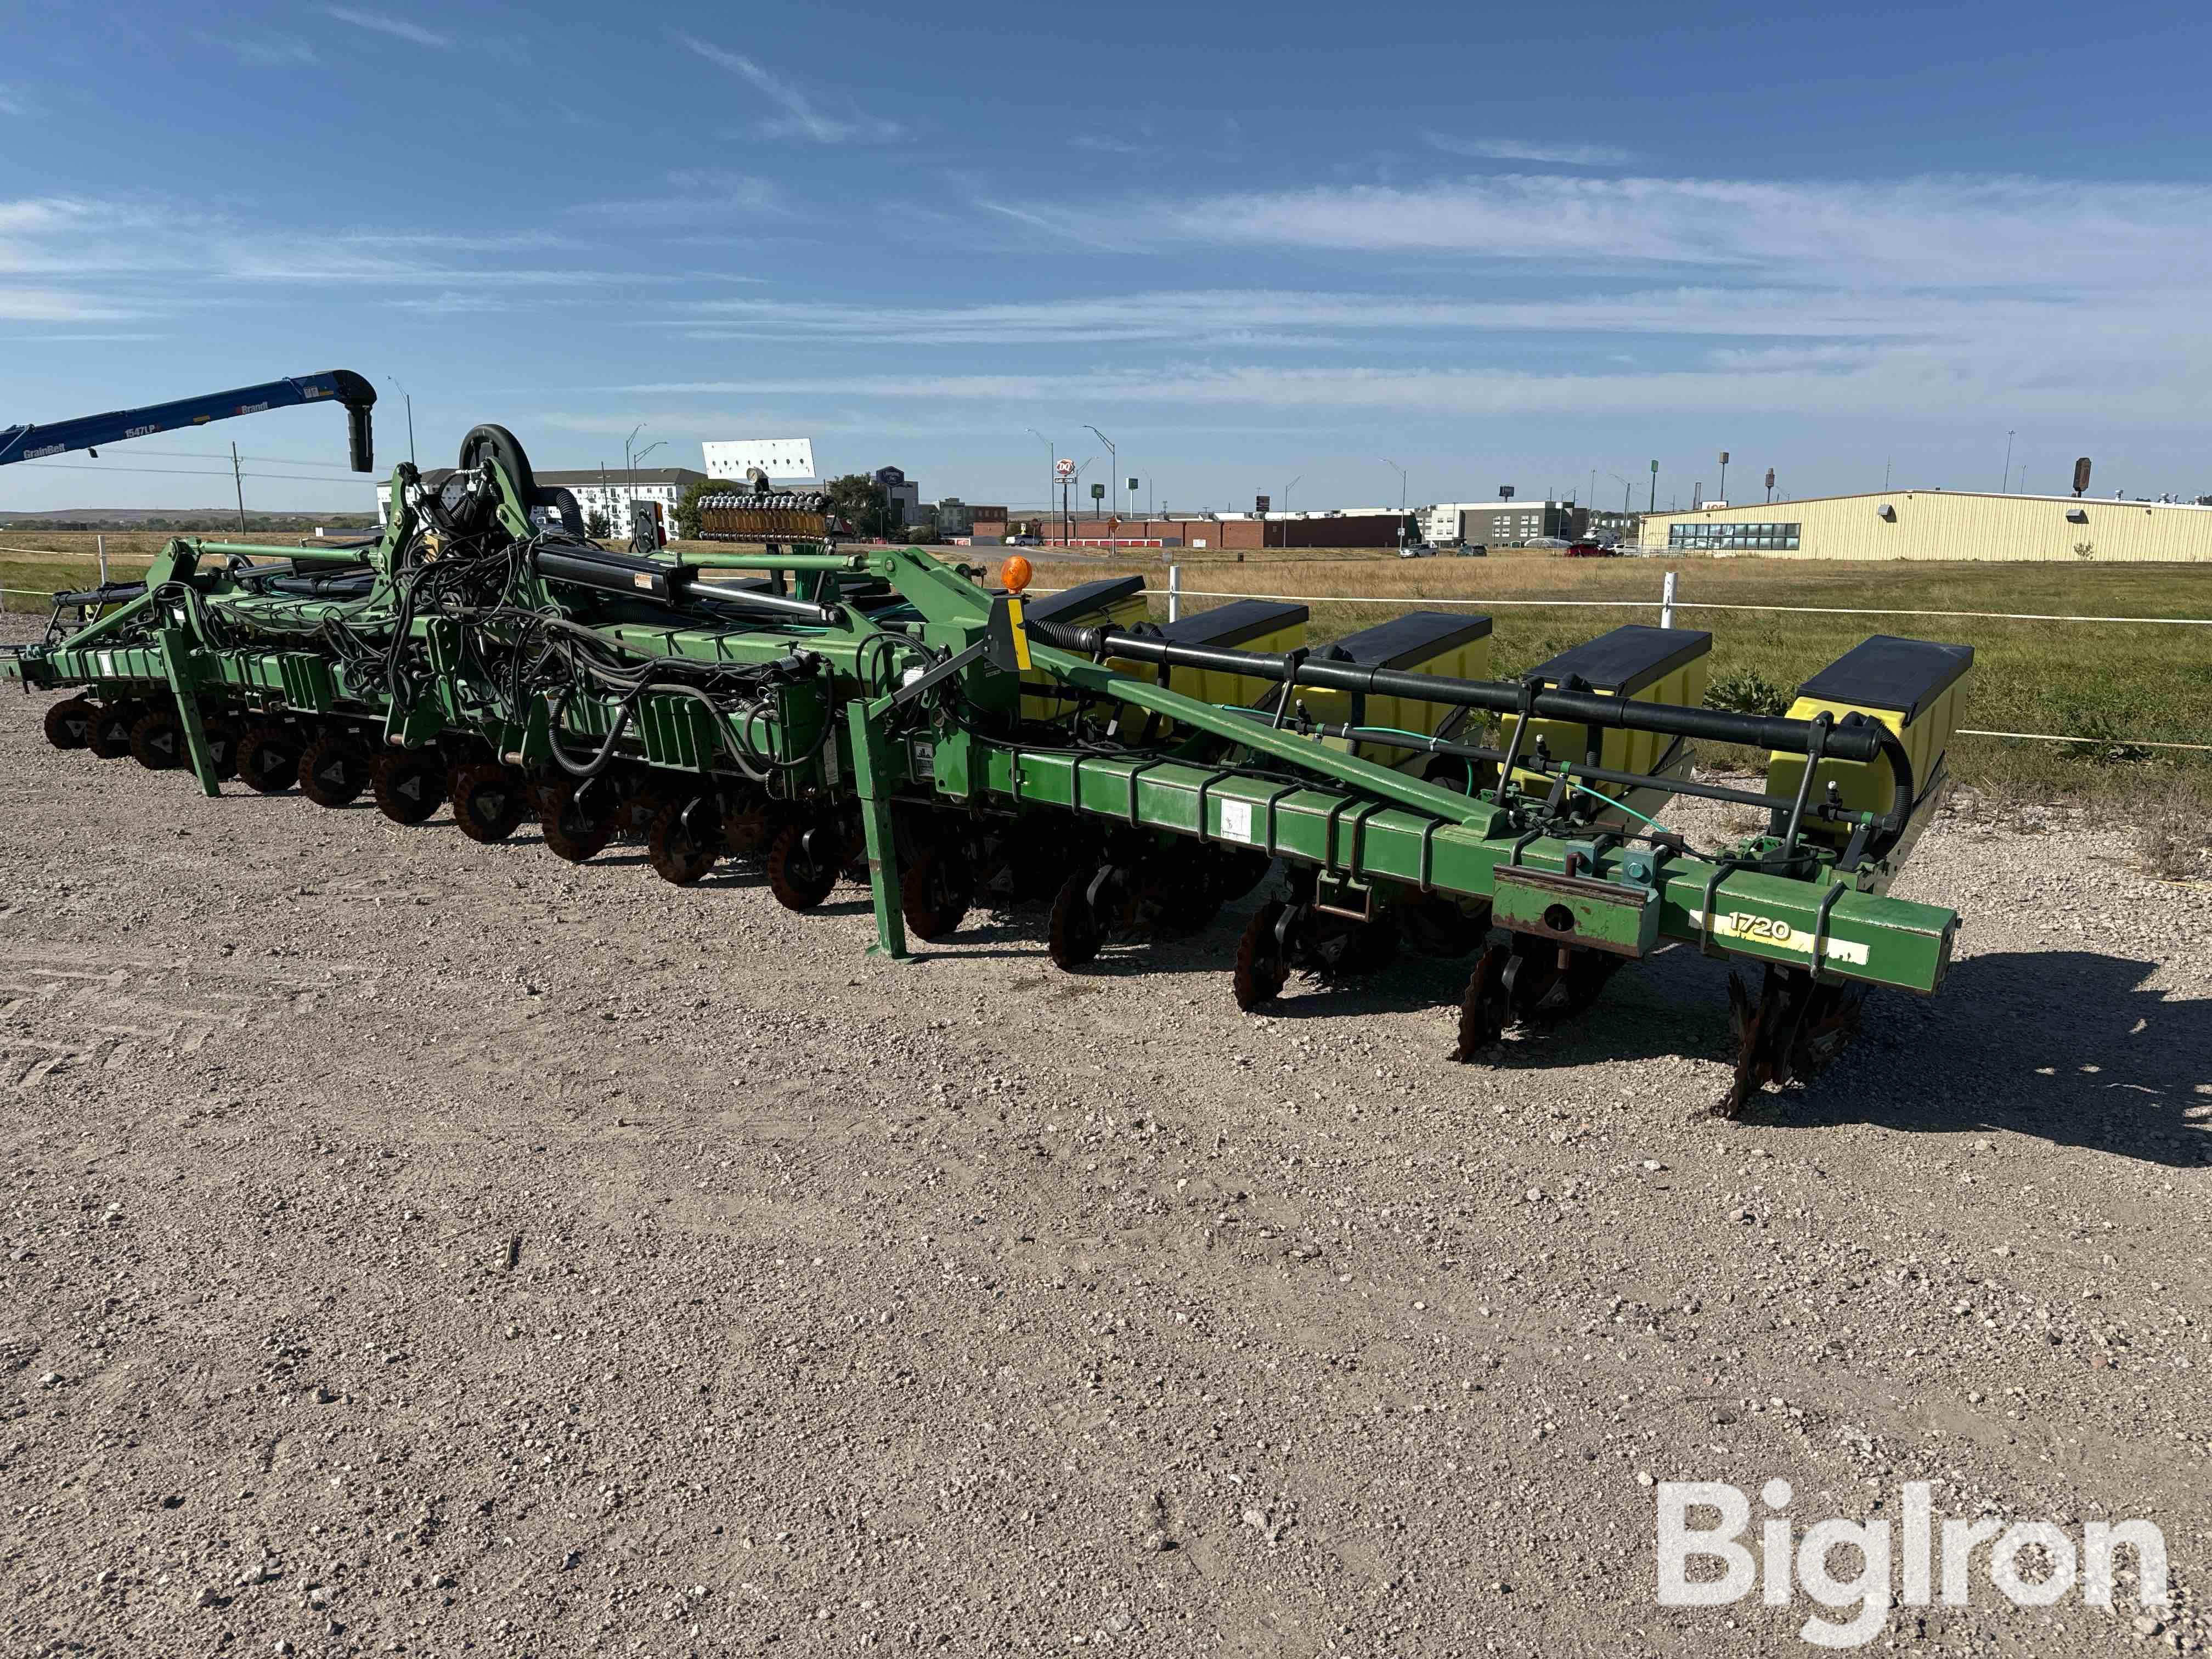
(413, 1247)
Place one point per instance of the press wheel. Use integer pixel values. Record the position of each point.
(799, 875)
(1262, 968)
(489, 800)
(408, 784)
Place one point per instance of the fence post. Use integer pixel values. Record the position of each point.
(1175, 592)
(100, 542)
(1666, 602)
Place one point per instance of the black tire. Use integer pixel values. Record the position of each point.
(936, 887)
(69, 722)
(157, 740)
(409, 784)
(685, 839)
(800, 879)
(573, 831)
(1261, 971)
(268, 759)
(489, 801)
(109, 737)
(1077, 934)
(334, 769)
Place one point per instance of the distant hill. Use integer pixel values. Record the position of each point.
(176, 518)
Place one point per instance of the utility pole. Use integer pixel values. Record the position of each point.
(1400, 472)
(1723, 475)
(238, 479)
(2006, 484)
(1653, 507)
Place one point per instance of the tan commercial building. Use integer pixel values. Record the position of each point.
(1943, 524)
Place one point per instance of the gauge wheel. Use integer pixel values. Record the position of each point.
(157, 740)
(685, 839)
(489, 801)
(1261, 971)
(268, 759)
(799, 877)
(408, 784)
(69, 722)
(334, 769)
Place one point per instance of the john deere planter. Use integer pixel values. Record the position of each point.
(886, 716)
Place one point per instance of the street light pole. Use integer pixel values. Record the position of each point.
(411, 418)
(2006, 484)
(1051, 455)
(1113, 458)
(1400, 472)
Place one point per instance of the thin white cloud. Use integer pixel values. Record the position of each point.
(801, 117)
(14, 100)
(382, 22)
(700, 197)
(41, 304)
(2001, 234)
(1108, 144)
(271, 51)
(1516, 149)
(1324, 318)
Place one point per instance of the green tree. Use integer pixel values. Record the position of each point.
(687, 504)
(861, 501)
(595, 523)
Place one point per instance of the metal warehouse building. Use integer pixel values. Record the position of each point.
(1943, 524)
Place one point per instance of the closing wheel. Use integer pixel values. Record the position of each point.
(803, 862)
(157, 740)
(109, 735)
(489, 800)
(577, 826)
(334, 769)
(269, 758)
(685, 839)
(936, 887)
(1076, 930)
(749, 827)
(69, 722)
(1790, 1034)
(409, 783)
(1262, 967)
(1482, 1009)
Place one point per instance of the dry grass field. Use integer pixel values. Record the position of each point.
(2110, 682)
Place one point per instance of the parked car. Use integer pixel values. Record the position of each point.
(1416, 550)
(1592, 550)
(1471, 550)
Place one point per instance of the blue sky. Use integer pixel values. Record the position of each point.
(1494, 245)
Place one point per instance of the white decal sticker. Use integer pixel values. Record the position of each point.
(1771, 930)
(1236, 821)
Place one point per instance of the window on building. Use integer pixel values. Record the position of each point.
(1734, 538)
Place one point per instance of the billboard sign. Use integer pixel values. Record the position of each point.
(778, 457)
(1065, 466)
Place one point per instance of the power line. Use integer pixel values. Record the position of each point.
(190, 472)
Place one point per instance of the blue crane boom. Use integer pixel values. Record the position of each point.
(341, 385)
